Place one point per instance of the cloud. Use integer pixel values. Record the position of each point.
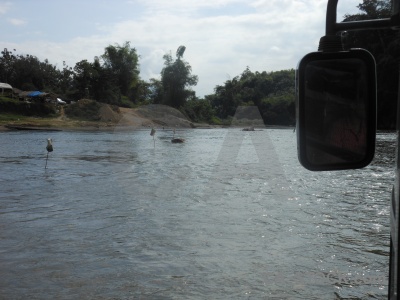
(4, 7)
(17, 22)
(223, 44)
(184, 6)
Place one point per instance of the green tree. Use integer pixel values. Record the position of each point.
(105, 84)
(226, 98)
(7, 60)
(84, 76)
(176, 80)
(198, 110)
(271, 92)
(142, 92)
(66, 80)
(155, 91)
(122, 62)
(111, 78)
(27, 72)
(30, 74)
(278, 109)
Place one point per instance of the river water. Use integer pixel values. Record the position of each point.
(226, 215)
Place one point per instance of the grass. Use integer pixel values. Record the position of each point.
(82, 117)
(7, 117)
(16, 119)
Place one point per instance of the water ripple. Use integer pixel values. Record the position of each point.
(116, 215)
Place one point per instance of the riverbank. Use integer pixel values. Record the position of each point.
(111, 119)
(157, 116)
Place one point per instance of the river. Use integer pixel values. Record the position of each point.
(226, 215)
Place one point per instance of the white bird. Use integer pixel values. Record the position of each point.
(49, 146)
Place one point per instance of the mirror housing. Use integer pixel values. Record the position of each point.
(336, 110)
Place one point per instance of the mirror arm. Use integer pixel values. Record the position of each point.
(332, 27)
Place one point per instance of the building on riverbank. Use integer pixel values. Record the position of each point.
(6, 89)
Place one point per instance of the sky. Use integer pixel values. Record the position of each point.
(222, 37)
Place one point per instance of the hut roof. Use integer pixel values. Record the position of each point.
(5, 86)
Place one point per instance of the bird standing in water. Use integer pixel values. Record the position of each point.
(152, 133)
(49, 148)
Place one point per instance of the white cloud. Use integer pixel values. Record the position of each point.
(17, 22)
(4, 7)
(224, 44)
(184, 6)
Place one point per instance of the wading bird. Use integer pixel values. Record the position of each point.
(49, 148)
(152, 133)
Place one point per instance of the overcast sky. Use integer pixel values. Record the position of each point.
(222, 37)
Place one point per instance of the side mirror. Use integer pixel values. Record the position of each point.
(336, 110)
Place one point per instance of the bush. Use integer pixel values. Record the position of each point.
(279, 110)
(125, 102)
(8, 105)
(222, 122)
(83, 110)
(198, 110)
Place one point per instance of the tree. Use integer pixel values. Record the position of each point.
(105, 84)
(6, 65)
(176, 80)
(155, 91)
(142, 92)
(271, 92)
(66, 79)
(198, 110)
(27, 72)
(180, 51)
(122, 63)
(84, 76)
(226, 98)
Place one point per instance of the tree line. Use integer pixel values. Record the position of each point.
(114, 78)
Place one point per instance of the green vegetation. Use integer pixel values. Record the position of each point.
(26, 109)
(83, 110)
(114, 78)
(199, 111)
(271, 92)
(9, 117)
(176, 79)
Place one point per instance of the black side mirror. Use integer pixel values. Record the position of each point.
(336, 110)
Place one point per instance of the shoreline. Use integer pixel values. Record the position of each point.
(93, 128)
(142, 118)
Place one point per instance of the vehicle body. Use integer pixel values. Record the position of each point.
(336, 94)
